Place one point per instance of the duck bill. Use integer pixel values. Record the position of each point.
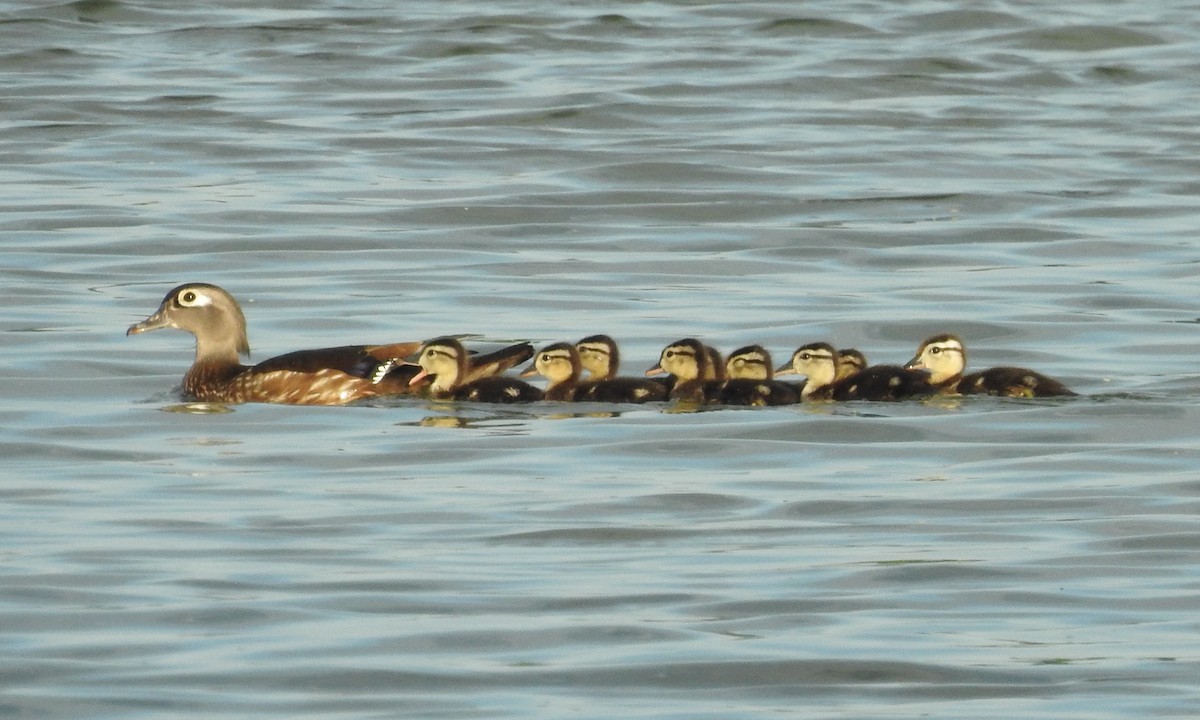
(786, 370)
(156, 321)
(915, 364)
(530, 371)
(418, 377)
(656, 370)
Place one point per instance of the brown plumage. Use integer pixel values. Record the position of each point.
(325, 376)
(944, 358)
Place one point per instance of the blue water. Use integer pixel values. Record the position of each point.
(866, 173)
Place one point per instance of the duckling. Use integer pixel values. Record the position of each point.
(558, 363)
(850, 361)
(446, 360)
(598, 354)
(324, 376)
(750, 374)
(714, 369)
(944, 358)
(819, 362)
(687, 360)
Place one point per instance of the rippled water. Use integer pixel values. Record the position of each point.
(869, 173)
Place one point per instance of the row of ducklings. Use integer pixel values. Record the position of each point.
(691, 372)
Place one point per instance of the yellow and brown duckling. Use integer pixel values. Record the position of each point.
(688, 361)
(325, 376)
(447, 361)
(818, 362)
(600, 357)
(559, 364)
(751, 381)
(850, 361)
(944, 358)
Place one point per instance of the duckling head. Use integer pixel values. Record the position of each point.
(686, 359)
(850, 361)
(752, 362)
(942, 356)
(599, 356)
(815, 361)
(445, 360)
(558, 363)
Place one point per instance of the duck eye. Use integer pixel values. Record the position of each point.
(935, 350)
(188, 297)
(669, 354)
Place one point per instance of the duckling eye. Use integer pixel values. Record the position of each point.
(935, 351)
(545, 357)
(669, 354)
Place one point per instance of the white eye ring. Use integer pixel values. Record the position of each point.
(193, 298)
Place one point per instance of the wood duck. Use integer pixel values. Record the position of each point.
(944, 358)
(447, 361)
(751, 381)
(326, 376)
(599, 356)
(819, 363)
(687, 360)
(558, 363)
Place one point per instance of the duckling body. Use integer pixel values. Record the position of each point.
(687, 360)
(600, 357)
(944, 358)
(446, 360)
(750, 374)
(559, 364)
(819, 362)
(325, 376)
(883, 382)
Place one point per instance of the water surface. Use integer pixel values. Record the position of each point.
(865, 173)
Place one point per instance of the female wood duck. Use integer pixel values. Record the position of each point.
(326, 376)
(598, 354)
(819, 363)
(688, 361)
(558, 363)
(944, 358)
(751, 381)
(447, 361)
